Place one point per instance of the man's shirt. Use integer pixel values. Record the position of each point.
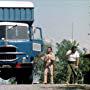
(72, 56)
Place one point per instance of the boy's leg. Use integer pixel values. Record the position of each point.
(51, 72)
(45, 75)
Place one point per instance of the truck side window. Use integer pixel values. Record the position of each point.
(37, 34)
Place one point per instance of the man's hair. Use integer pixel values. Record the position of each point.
(73, 47)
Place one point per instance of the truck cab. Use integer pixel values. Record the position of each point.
(20, 42)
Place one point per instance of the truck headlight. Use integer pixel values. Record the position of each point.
(24, 59)
(36, 47)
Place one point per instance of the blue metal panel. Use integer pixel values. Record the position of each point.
(6, 14)
(1, 14)
(17, 14)
(23, 14)
(12, 14)
(28, 14)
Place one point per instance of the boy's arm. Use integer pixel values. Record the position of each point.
(52, 56)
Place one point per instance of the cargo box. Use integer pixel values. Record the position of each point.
(16, 11)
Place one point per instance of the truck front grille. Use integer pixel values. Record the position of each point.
(8, 56)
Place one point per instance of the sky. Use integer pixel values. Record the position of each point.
(56, 17)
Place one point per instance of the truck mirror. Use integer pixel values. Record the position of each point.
(33, 29)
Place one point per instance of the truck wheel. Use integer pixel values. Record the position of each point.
(24, 76)
(24, 80)
(31, 78)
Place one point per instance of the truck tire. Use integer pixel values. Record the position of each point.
(24, 76)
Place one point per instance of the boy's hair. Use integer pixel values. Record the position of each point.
(50, 48)
(47, 49)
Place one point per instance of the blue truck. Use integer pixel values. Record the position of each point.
(20, 41)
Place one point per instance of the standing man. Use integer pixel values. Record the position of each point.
(73, 63)
(49, 59)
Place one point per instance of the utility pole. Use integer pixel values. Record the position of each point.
(72, 32)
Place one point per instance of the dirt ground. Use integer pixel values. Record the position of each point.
(45, 87)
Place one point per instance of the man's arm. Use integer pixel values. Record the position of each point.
(77, 59)
(77, 62)
(68, 53)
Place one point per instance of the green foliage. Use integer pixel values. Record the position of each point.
(12, 80)
(60, 72)
(84, 65)
(84, 62)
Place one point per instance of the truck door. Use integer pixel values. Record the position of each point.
(37, 39)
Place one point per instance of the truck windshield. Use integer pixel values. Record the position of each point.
(14, 32)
